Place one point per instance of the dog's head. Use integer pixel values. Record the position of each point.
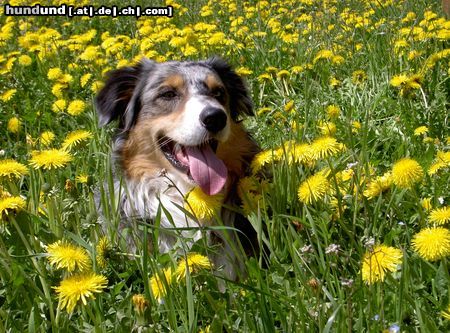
(179, 116)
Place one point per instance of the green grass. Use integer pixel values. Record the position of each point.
(304, 288)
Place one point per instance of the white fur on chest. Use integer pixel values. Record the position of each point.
(142, 200)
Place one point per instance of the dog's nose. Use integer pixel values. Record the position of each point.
(214, 119)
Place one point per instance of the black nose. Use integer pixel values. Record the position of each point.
(214, 119)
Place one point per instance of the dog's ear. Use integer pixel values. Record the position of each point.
(240, 101)
(120, 98)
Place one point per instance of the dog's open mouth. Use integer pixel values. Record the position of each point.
(199, 162)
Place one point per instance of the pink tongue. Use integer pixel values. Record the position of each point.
(209, 172)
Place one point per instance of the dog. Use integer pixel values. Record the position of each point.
(179, 127)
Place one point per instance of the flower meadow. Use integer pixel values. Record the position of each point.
(349, 195)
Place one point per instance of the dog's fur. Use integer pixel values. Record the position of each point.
(160, 108)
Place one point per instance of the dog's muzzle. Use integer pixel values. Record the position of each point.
(213, 119)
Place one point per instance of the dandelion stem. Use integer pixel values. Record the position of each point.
(424, 97)
(42, 275)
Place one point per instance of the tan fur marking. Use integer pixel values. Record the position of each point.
(140, 156)
(235, 149)
(175, 81)
(212, 82)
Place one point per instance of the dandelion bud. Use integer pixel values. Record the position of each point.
(140, 303)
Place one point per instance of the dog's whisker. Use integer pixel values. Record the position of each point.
(159, 145)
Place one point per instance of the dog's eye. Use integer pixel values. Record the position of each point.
(217, 93)
(169, 94)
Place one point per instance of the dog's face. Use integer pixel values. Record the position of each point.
(181, 117)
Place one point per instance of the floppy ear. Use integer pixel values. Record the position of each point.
(120, 97)
(240, 101)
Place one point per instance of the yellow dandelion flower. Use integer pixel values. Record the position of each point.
(294, 152)
(440, 216)
(432, 243)
(411, 16)
(327, 128)
(25, 60)
(54, 74)
(96, 86)
(414, 81)
(313, 189)
(160, 282)
(76, 107)
(243, 71)
(207, 329)
(66, 79)
(68, 256)
(356, 126)
(400, 44)
(216, 39)
(297, 69)
(399, 80)
(47, 138)
(7, 95)
(359, 76)
(79, 286)
(446, 313)
(420, 130)
(14, 125)
(140, 303)
(407, 83)
(379, 185)
(194, 263)
(289, 106)
(301, 153)
(323, 54)
(435, 167)
(264, 77)
(247, 185)
(414, 54)
(334, 82)
(426, 204)
(85, 79)
(57, 90)
(338, 59)
(11, 169)
(203, 206)
(283, 74)
(59, 105)
(82, 179)
(406, 172)
(324, 147)
(9, 203)
(261, 159)
(74, 138)
(271, 69)
(103, 252)
(378, 261)
(441, 161)
(50, 159)
(345, 175)
(333, 111)
(90, 53)
(263, 111)
(124, 63)
(249, 191)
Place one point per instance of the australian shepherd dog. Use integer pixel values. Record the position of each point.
(179, 127)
